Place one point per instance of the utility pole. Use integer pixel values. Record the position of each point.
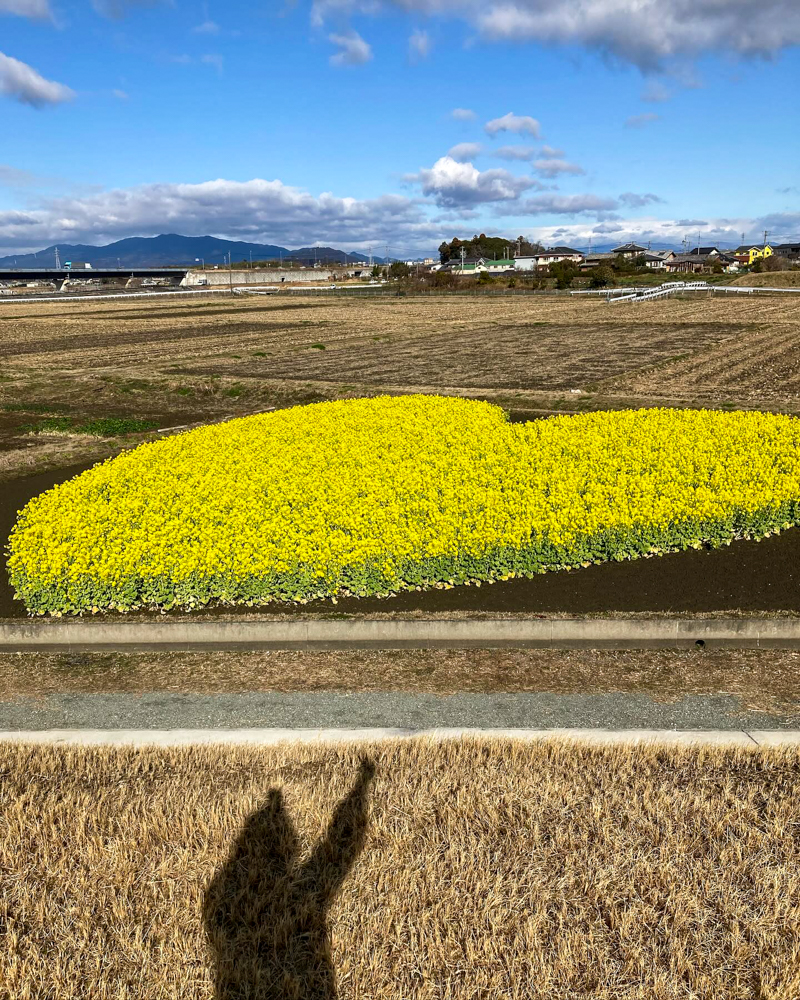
(58, 260)
(766, 234)
(230, 271)
(463, 255)
(251, 260)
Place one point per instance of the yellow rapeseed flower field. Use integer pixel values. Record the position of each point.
(372, 496)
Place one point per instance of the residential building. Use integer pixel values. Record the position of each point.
(752, 252)
(497, 266)
(788, 250)
(688, 263)
(596, 259)
(544, 257)
(629, 250)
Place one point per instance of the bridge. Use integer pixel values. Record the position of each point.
(61, 274)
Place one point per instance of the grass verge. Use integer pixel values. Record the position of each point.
(766, 681)
(461, 870)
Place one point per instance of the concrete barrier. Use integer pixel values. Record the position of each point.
(594, 633)
(271, 276)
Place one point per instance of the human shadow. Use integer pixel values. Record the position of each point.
(266, 916)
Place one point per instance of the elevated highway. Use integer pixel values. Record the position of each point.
(63, 273)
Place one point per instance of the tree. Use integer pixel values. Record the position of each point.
(564, 271)
(399, 269)
(376, 271)
(602, 275)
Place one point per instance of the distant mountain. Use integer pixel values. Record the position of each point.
(329, 254)
(170, 248)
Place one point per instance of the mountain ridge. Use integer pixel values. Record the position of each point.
(172, 248)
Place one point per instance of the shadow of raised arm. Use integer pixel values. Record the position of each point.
(336, 852)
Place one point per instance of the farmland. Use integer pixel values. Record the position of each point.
(179, 362)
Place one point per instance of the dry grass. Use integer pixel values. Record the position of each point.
(180, 362)
(764, 680)
(520, 342)
(466, 870)
(769, 279)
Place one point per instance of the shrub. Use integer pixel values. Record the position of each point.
(372, 496)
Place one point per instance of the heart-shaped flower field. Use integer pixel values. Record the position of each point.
(372, 496)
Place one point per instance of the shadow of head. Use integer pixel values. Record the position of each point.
(265, 913)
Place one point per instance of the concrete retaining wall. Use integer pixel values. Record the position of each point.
(255, 277)
(388, 634)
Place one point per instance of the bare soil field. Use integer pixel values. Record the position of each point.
(182, 362)
(765, 681)
(401, 870)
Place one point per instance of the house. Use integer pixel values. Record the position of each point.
(752, 252)
(629, 250)
(657, 260)
(457, 265)
(497, 266)
(596, 259)
(706, 251)
(553, 255)
(545, 257)
(688, 263)
(789, 250)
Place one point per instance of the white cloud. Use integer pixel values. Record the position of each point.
(521, 124)
(452, 184)
(573, 204)
(516, 152)
(639, 121)
(207, 27)
(37, 10)
(646, 33)
(655, 92)
(419, 45)
(215, 60)
(120, 94)
(554, 167)
(465, 151)
(353, 50)
(633, 200)
(22, 83)
(463, 115)
(16, 178)
(257, 210)
(551, 151)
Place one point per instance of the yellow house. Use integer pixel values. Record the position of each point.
(752, 252)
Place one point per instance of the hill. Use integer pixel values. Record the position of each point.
(769, 279)
(171, 248)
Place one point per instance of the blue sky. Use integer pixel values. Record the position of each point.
(332, 122)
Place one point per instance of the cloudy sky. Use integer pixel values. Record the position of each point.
(399, 123)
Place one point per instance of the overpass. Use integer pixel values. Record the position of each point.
(62, 273)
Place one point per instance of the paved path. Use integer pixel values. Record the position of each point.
(408, 712)
(269, 737)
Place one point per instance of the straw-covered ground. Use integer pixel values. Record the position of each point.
(64, 366)
(403, 870)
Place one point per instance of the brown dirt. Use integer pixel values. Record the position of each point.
(181, 362)
(765, 680)
(462, 870)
